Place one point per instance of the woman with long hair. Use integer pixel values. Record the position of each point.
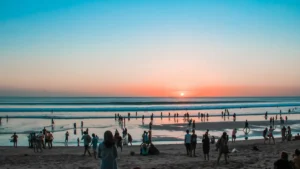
(107, 151)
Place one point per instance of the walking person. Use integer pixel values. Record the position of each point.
(206, 146)
(86, 141)
(107, 152)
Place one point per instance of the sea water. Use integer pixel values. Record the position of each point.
(27, 114)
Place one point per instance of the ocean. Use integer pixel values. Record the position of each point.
(32, 114)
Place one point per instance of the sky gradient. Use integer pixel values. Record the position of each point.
(150, 48)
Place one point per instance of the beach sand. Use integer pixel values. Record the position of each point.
(172, 156)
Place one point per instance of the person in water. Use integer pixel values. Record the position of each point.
(107, 152)
(15, 140)
(129, 139)
(66, 138)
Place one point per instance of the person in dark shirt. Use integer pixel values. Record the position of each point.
(283, 162)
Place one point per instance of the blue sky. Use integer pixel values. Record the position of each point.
(109, 47)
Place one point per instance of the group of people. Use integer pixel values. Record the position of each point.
(285, 163)
(190, 141)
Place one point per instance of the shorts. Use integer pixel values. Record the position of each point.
(86, 146)
(234, 136)
(193, 145)
(188, 146)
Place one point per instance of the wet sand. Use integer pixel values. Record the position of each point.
(171, 157)
(218, 125)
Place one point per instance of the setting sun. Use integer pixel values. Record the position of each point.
(181, 94)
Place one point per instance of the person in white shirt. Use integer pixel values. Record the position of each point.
(187, 142)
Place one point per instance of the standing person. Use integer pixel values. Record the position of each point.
(49, 139)
(206, 146)
(265, 135)
(129, 139)
(143, 118)
(283, 133)
(81, 124)
(296, 160)
(223, 147)
(15, 140)
(78, 142)
(66, 138)
(150, 136)
(283, 162)
(107, 152)
(86, 141)
(289, 133)
(41, 137)
(94, 144)
(193, 143)
(45, 132)
(234, 131)
(246, 124)
(187, 142)
(270, 135)
(194, 125)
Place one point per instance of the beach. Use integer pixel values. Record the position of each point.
(170, 157)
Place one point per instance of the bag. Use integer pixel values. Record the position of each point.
(89, 139)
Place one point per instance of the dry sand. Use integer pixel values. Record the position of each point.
(172, 156)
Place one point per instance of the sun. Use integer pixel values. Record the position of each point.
(181, 94)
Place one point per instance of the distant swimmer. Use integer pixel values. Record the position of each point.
(136, 114)
(161, 114)
(81, 124)
(52, 122)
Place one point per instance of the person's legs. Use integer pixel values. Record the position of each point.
(207, 156)
(89, 151)
(95, 153)
(273, 139)
(187, 150)
(220, 154)
(226, 155)
(85, 149)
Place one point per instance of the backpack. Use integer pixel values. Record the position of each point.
(88, 139)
